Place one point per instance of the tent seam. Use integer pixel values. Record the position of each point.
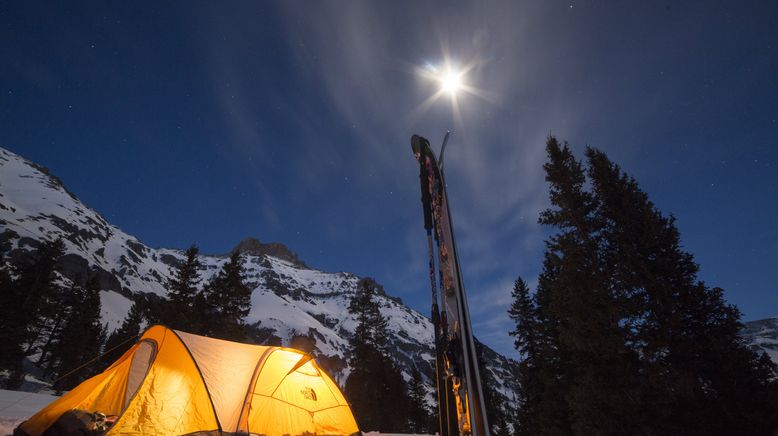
(252, 385)
(333, 393)
(302, 408)
(202, 378)
(294, 368)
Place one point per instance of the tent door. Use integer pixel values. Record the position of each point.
(141, 362)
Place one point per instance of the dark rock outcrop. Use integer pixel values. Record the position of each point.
(278, 250)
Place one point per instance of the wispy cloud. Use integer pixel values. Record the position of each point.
(360, 62)
(363, 58)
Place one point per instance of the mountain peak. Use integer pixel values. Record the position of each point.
(278, 250)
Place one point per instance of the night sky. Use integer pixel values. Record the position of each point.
(194, 122)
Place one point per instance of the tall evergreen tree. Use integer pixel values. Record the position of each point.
(550, 377)
(589, 314)
(687, 334)
(121, 339)
(181, 311)
(419, 413)
(523, 311)
(28, 306)
(54, 322)
(620, 336)
(371, 327)
(77, 345)
(492, 401)
(40, 295)
(375, 388)
(12, 329)
(226, 301)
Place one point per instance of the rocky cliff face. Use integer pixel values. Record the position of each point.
(273, 249)
(292, 304)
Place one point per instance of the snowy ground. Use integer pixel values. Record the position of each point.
(375, 433)
(16, 406)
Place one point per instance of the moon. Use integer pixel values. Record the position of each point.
(451, 82)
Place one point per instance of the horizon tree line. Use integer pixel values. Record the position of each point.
(51, 326)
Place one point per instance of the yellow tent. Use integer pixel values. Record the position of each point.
(176, 383)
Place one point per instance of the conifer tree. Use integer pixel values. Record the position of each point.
(28, 306)
(38, 294)
(80, 340)
(549, 412)
(12, 330)
(621, 337)
(419, 413)
(302, 342)
(700, 373)
(371, 325)
(523, 311)
(501, 429)
(375, 388)
(180, 312)
(226, 301)
(495, 410)
(120, 340)
(589, 331)
(492, 402)
(54, 322)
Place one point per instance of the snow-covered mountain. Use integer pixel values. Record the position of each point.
(762, 335)
(289, 298)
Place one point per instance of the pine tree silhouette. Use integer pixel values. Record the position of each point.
(621, 337)
(700, 373)
(80, 340)
(375, 388)
(492, 401)
(181, 311)
(226, 301)
(524, 312)
(12, 326)
(121, 339)
(30, 305)
(419, 413)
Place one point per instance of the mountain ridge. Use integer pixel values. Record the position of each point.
(289, 299)
(762, 336)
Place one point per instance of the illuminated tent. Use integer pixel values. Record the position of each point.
(176, 383)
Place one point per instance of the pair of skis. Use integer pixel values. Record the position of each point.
(461, 408)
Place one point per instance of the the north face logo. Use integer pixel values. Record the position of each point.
(308, 393)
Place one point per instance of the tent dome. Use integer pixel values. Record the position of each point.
(176, 383)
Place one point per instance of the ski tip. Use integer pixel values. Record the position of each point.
(417, 144)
